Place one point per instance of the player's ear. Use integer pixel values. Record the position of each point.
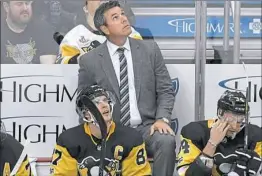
(110, 105)
(87, 115)
(220, 112)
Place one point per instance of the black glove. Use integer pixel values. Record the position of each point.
(247, 161)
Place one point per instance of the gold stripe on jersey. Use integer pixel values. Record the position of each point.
(83, 172)
(188, 152)
(25, 168)
(210, 123)
(68, 52)
(136, 163)
(66, 59)
(63, 163)
(258, 148)
(88, 131)
(136, 36)
(214, 171)
(7, 169)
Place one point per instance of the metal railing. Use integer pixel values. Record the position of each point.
(200, 47)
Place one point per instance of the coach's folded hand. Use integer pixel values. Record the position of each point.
(162, 127)
(248, 161)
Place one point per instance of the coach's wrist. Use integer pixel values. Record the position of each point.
(167, 121)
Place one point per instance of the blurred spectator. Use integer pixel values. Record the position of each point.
(25, 40)
(56, 13)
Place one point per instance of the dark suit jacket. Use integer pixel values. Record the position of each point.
(154, 91)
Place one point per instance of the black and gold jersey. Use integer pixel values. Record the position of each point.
(10, 152)
(195, 136)
(78, 152)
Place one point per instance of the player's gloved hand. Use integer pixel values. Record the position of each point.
(247, 161)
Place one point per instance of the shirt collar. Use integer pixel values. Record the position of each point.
(112, 48)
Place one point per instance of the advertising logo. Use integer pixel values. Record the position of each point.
(34, 97)
(174, 122)
(187, 25)
(24, 127)
(240, 84)
(175, 125)
(254, 87)
(255, 26)
(35, 88)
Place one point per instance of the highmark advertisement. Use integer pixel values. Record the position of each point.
(184, 26)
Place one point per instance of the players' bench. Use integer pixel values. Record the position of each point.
(45, 161)
(174, 127)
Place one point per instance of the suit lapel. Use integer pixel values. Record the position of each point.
(137, 63)
(108, 68)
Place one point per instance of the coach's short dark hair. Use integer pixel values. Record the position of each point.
(99, 18)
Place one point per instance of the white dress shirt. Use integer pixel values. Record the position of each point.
(135, 118)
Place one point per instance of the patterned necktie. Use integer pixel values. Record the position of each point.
(124, 90)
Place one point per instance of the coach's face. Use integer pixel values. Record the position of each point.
(19, 12)
(117, 24)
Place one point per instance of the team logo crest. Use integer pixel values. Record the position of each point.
(174, 122)
(174, 125)
(175, 83)
(83, 40)
(90, 166)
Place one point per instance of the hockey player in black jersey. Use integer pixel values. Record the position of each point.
(216, 146)
(13, 161)
(78, 149)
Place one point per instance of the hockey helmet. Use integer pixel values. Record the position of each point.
(235, 103)
(232, 101)
(92, 93)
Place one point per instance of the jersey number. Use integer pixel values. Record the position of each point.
(140, 158)
(184, 146)
(59, 156)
